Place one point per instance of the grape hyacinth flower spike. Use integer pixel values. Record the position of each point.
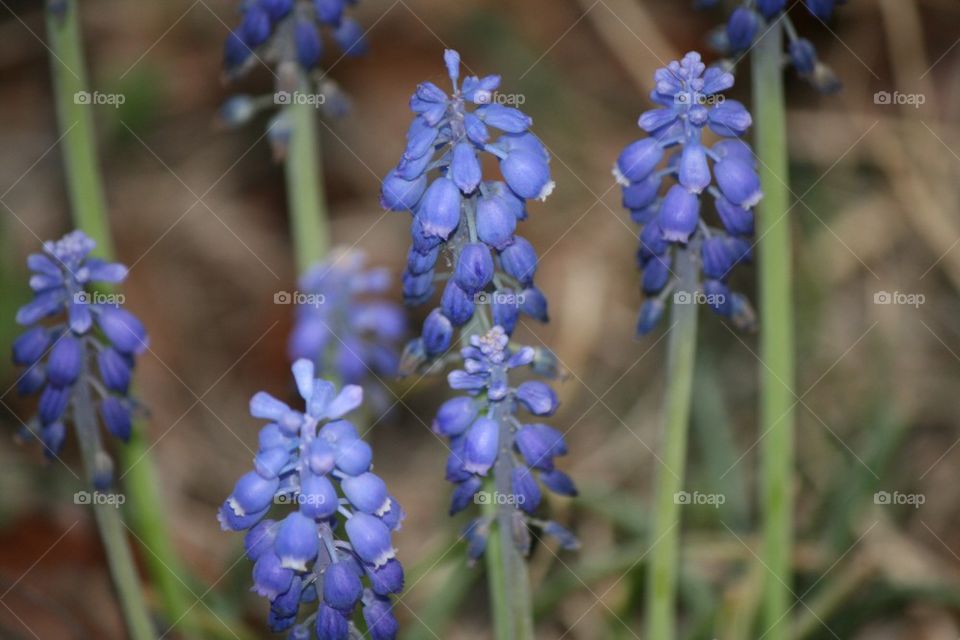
(459, 214)
(487, 439)
(80, 345)
(331, 554)
(287, 35)
(343, 322)
(690, 100)
(752, 18)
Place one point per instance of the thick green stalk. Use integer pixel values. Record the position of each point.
(496, 576)
(508, 576)
(665, 534)
(88, 207)
(776, 332)
(112, 531)
(305, 190)
(74, 105)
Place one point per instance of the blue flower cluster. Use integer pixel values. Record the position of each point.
(342, 322)
(286, 35)
(752, 17)
(72, 325)
(280, 31)
(439, 179)
(299, 559)
(690, 100)
(487, 439)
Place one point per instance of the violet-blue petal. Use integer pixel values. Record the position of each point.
(679, 214)
(259, 539)
(558, 482)
(465, 167)
(538, 397)
(366, 492)
(739, 182)
(30, 346)
(386, 579)
(463, 494)
(496, 221)
(349, 37)
(370, 538)
(437, 333)
(439, 210)
(331, 624)
(297, 541)
(534, 304)
(381, 623)
(454, 416)
(318, 498)
(481, 446)
(252, 493)
(730, 119)
(526, 491)
(527, 174)
(354, 457)
(694, 172)
(53, 402)
(519, 261)
(638, 160)
(270, 578)
(456, 304)
(474, 269)
(123, 329)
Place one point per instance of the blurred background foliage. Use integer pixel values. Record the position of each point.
(199, 215)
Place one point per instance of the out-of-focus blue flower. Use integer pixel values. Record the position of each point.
(488, 440)
(301, 553)
(690, 100)
(458, 213)
(752, 18)
(281, 31)
(343, 321)
(286, 36)
(72, 325)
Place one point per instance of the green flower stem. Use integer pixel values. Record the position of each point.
(305, 189)
(75, 115)
(776, 332)
(509, 581)
(88, 206)
(507, 577)
(112, 530)
(496, 576)
(665, 533)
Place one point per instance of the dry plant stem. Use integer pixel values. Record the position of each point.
(664, 551)
(776, 333)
